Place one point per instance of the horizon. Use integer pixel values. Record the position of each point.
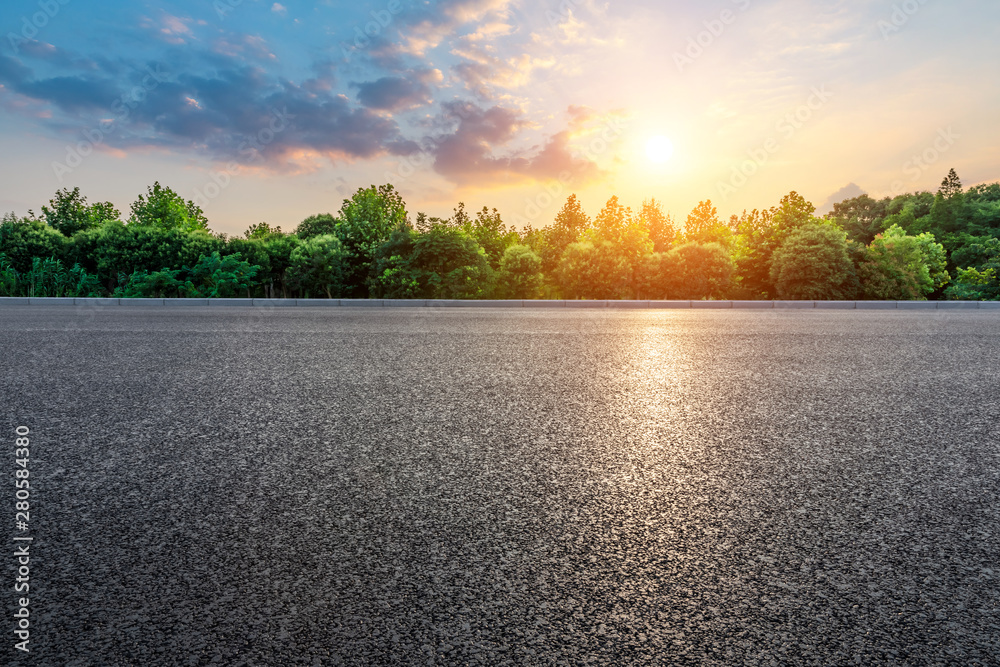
(277, 111)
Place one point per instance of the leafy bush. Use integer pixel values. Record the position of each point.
(520, 273)
(691, 271)
(812, 264)
(902, 267)
(593, 270)
(318, 266)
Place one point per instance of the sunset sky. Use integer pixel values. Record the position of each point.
(265, 111)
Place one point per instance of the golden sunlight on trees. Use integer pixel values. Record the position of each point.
(912, 246)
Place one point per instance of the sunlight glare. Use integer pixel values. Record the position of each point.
(659, 149)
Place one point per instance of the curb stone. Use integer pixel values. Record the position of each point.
(508, 303)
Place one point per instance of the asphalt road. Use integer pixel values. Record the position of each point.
(505, 487)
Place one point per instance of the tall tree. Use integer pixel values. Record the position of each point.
(812, 264)
(948, 214)
(520, 273)
(449, 264)
(163, 208)
(660, 225)
(318, 266)
(261, 230)
(898, 266)
(489, 230)
(861, 217)
(951, 185)
(690, 271)
(759, 241)
(569, 224)
(703, 224)
(616, 230)
(69, 213)
(365, 222)
(316, 225)
(611, 223)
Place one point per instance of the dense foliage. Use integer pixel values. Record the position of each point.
(913, 246)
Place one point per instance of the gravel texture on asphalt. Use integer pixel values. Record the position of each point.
(452, 487)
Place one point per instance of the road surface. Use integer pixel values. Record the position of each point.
(482, 487)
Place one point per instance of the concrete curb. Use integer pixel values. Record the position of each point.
(510, 303)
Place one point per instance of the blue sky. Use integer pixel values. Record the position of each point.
(274, 111)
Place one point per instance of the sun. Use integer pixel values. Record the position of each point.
(659, 149)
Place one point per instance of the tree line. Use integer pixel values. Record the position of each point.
(943, 245)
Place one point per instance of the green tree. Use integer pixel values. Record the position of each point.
(979, 283)
(490, 232)
(593, 269)
(316, 225)
(279, 253)
(901, 267)
(812, 264)
(393, 273)
(366, 220)
(163, 208)
(255, 251)
(617, 231)
(760, 235)
(659, 225)
(570, 223)
(215, 276)
(24, 239)
(753, 223)
(165, 283)
(703, 225)
(983, 209)
(690, 271)
(861, 217)
(69, 213)
(951, 185)
(449, 264)
(319, 265)
(612, 221)
(261, 230)
(520, 273)
(115, 248)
